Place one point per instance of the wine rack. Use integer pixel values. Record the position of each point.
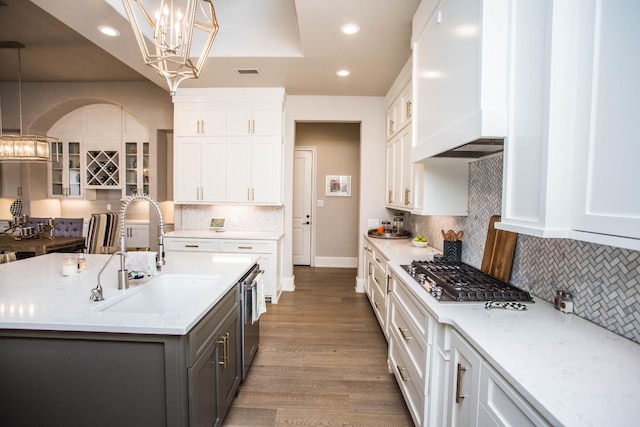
(103, 169)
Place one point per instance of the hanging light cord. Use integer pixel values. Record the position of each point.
(20, 87)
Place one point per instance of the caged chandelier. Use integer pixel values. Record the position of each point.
(177, 27)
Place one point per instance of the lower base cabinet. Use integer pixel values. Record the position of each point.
(82, 378)
(479, 396)
(443, 379)
(268, 251)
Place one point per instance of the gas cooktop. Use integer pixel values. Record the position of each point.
(457, 281)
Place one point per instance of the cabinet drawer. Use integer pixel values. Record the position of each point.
(247, 246)
(191, 245)
(409, 337)
(410, 386)
(205, 330)
(415, 313)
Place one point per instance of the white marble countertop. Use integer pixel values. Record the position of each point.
(34, 295)
(572, 371)
(235, 235)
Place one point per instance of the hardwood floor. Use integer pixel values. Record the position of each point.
(322, 360)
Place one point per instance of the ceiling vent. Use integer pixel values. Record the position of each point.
(248, 71)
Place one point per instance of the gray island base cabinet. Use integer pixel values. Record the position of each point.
(108, 379)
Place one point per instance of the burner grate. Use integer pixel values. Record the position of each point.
(456, 281)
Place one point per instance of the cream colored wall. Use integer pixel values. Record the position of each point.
(45, 103)
(370, 112)
(338, 153)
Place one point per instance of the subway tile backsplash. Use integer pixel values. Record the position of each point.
(605, 280)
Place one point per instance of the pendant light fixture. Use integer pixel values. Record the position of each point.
(167, 39)
(22, 148)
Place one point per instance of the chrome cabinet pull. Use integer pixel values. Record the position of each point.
(245, 247)
(408, 110)
(404, 377)
(253, 195)
(403, 332)
(390, 196)
(406, 196)
(249, 127)
(459, 396)
(253, 126)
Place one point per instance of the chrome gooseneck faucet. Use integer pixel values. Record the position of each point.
(123, 274)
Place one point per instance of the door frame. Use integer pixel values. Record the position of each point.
(314, 168)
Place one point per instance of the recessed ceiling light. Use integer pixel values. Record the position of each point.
(343, 73)
(108, 31)
(350, 29)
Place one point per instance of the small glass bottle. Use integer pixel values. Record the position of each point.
(69, 266)
(82, 263)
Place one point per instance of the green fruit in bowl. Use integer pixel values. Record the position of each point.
(420, 238)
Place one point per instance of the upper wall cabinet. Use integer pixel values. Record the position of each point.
(570, 164)
(459, 74)
(200, 119)
(254, 119)
(243, 163)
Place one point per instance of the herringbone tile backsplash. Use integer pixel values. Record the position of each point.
(605, 280)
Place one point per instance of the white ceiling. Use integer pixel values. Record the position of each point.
(295, 44)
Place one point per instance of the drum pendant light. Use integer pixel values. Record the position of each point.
(169, 36)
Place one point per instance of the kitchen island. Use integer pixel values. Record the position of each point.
(170, 358)
(483, 367)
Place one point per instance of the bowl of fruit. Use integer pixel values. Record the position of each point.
(419, 241)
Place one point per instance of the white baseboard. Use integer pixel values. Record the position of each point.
(359, 285)
(336, 262)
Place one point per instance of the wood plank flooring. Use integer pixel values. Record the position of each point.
(322, 360)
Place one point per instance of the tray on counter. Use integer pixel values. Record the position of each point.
(398, 235)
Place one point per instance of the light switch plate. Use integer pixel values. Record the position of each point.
(373, 223)
(320, 203)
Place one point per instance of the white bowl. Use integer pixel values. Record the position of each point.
(419, 244)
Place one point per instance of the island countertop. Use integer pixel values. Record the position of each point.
(35, 296)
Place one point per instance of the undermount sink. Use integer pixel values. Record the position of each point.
(169, 293)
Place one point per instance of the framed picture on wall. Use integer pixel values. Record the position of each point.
(338, 185)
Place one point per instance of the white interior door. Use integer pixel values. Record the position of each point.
(302, 206)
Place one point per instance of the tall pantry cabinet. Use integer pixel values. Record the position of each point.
(228, 146)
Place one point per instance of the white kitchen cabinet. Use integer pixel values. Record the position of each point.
(400, 172)
(479, 396)
(254, 170)
(411, 336)
(136, 236)
(136, 164)
(65, 170)
(464, 378)
(244, 163)
(268, 251)
(200, 169)
(459, 74)
(254, 119)
(200, 119)
(441, 187)
(575, 98)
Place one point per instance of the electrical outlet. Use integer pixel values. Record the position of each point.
(108, 206)
(320, 203)
(373, 223)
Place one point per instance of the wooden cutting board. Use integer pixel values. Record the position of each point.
(498, 251)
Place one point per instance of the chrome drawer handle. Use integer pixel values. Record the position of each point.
(245, 247)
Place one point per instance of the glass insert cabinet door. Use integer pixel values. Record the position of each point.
(64, 170)
(137, 168)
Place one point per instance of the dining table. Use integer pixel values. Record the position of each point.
(41, 245)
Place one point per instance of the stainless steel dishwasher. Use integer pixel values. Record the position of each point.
(250, 328)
